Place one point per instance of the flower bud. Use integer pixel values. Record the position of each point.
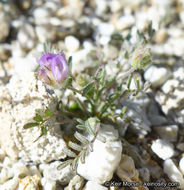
(141, 58)
(53, 68)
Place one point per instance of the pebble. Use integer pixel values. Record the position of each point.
(90, 185)
(161, 36)
(5, 25)
(157, 76)
(170, 85)
(173, 172)
(169, 132)
(72, 43)
(108, 154)
(76, 183)
(125, 22)
(41, 15)
(181, 165)
(163, 149)
(180, 146)
(105, 29)
(26, 36)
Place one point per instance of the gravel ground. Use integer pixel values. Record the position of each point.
(151, 150)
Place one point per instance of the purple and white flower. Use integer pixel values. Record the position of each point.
(53, 68)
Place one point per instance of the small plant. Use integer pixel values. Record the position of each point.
(96, 96)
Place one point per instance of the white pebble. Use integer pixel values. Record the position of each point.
(157, 76)
(72, 43)
(181, 165)
(173, 173)
(163, 149)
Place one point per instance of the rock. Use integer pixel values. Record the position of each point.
(157, 76)
(30, 183)
(144, 174)
(162, 149)
(72, 43)
(181, 165)
(115, 6)
(43, 34)
(24, 94)
(101, 7)
(41, 15)
(170, 85)
(169, 132)
(2, 154)
(5, 25)
(10, 184)
(105, 29)
(161, 36)
(51, 173)
(173, 173)
(76, 183)
(180, 146)
(126, 170)
(90, 185)
(110, 52)
(108, 154)
(125, 22)
(48, 184)
(26, 36)
(5, 52)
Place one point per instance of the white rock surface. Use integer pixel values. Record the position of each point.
(162, 149)
(170, 85)
(90, 185)
(72, 43)
(173, 172)
(100, 164)
(19, 99)
(51, 173)
(76, 182)
(181, 165)
(157, 76)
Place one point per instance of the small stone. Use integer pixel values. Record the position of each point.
(125, 22)
(29, 183)
(162, 149)
(26, 36)
(180, 146)
(144, 174)
(76, 183)
(72, 43)
(157, 76)
(110, 52)
(101, 7)
(170, 85)
(126, 170)
(169, 133)
(43, 34)
(90, 185)
(173, 173)
(5, 52)
(181, 165)
(105, 29)
(5, 25)
(161, 36)
(41, 15)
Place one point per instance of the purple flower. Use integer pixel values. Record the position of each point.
(53, 68)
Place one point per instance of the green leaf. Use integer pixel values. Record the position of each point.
(89, 128)
(69, 153)
(74, 163)
(129, 81)
(116, 37)
(124, 110)
(48, 112)
(38, 118)
(98, 74)
(126, 55)
(75, 146)
(80, 121)
(81, 127)
(102, 80)
(88, 90)
(30, 125)
(64, 164)
(83, 156)
(70, 64)
(151, 31)
(81, 138)
(68, 81)
(44, 130)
